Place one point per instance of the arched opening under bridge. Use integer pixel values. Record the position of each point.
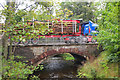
(79, 55)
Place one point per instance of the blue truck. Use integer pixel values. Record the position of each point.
(88, 31)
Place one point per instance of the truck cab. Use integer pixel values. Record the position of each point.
(90, 29)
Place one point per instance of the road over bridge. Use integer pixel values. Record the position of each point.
(38, 53)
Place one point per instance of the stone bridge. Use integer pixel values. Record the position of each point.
(38, 53)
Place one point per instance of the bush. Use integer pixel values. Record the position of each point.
(12, 69)
(99, 68)
(109, 30)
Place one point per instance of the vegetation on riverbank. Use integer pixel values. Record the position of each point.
(99, 68)
(67, 56)
(106, 64)
(12, 69)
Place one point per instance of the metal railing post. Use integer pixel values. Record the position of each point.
(75, 26)
(62, 27)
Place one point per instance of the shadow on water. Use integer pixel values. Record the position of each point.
(57, 67)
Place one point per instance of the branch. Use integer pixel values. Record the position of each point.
(2, 6)
(30, 5)
(17, 5)
(31, 9)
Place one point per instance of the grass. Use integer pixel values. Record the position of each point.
(99, 68)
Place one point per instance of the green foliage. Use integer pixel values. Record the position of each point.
(82, 75)
(21, 32)
(17, 29)
(80, 10)
(108, 30)
(91, 74)
(17, 69)
(99, 68)
(67, 56)
(63, 13)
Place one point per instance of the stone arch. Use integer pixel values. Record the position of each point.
(38, 59)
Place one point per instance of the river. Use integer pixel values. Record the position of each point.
(57, 67)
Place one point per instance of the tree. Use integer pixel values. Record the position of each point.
(17, 29)
(12, 23)
(11, 30)
(108, 30)
(38, 10)
(82, 10)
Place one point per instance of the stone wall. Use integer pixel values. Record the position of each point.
(38, 53)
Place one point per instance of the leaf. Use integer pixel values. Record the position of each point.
(17, 25)
(15, 32)
(19, 31)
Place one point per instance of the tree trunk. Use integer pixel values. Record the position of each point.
(11, 6)
(10, 48)
(5, 46)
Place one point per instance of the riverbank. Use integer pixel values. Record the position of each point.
(99, 68)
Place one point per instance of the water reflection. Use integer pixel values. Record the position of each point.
(57, 67)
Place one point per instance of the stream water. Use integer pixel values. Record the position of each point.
(57, 67)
